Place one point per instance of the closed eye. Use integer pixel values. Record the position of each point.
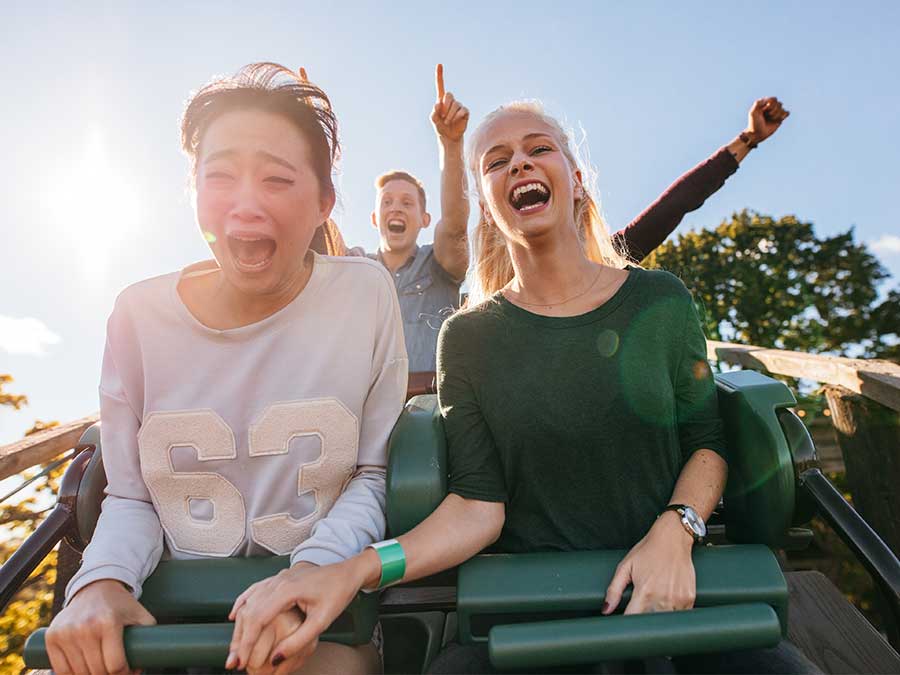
(279, 180)
(217, 175)
(541, 149)
(496, 163)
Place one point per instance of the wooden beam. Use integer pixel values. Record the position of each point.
(42, 446)
(874, 379)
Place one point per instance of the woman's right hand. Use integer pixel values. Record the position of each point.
(86, 636)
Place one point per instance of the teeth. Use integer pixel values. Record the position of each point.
(522, 189)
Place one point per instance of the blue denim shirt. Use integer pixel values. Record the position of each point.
(428, 295)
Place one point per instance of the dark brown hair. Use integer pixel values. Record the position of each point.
(384, 178)
(272, 88)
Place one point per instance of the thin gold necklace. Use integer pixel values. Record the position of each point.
(567, 300)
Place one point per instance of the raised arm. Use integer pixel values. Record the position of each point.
(688, 193)
(450, 118)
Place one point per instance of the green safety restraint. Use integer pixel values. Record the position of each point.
(534, 610)
(542, 610)
(190, 599)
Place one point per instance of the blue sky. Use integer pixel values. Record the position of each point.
(93, 188)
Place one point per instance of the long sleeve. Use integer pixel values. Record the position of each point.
(659, 220)
(128, 540)
(357, 518)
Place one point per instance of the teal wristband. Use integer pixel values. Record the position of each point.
(393, 561)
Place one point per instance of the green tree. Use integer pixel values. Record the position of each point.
(774, 283)
(30, 608)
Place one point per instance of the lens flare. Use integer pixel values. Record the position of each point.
(209, 236)
(608, 342)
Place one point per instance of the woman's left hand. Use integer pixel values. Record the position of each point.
(320, 593)
(660, 568)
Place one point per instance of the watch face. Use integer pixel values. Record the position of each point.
(693, 521)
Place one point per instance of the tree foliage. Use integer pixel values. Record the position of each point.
(774, 283)
(31, 606)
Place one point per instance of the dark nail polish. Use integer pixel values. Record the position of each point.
(277, 660)
(605, 608)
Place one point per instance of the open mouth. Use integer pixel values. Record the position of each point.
(396, 226)
(531, 196)
(251, 252)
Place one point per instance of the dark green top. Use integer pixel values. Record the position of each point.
(580, 424)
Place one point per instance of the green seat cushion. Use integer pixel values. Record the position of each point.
(504, 589)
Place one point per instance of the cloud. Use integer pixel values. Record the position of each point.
(26, 336)
(889, 244)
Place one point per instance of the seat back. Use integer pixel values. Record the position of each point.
(417, 465)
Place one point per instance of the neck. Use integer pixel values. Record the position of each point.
(236, 308)
(552, 270)
(395, 259)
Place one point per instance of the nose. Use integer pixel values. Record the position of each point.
(519, 164)
(246, 204)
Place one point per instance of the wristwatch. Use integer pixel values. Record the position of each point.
(691, 521)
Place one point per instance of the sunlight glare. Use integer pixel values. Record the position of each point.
(95, 210)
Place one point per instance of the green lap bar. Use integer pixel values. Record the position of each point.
(177, 646)
(592, 640)
(201, 594)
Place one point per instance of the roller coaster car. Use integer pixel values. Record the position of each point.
(533, 610)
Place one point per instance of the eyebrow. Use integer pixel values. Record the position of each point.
(275, 159)
(526, 137)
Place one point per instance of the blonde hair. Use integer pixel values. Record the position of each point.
(493, 268)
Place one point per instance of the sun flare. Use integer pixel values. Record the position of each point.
(95, 208)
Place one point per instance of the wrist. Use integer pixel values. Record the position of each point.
(671, 527)
(366, 569)
(451, 144)
(750, 138)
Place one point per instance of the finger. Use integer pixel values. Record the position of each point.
(231, 661)
(59, 664)
(637, 604)
(254, 622)
(93, 656)
(617, 587)
(439, 81)
(112, 648)
(297, 642)
(451, 112)
(242, 600)
(295, 663)
(461, 116)
(447, 100)
(303, 75)
(76, 659)
(259, 656)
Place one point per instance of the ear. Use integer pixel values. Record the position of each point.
(374, 221)
(426, 220)
(485, 213)
(327, 198)
(579, 185)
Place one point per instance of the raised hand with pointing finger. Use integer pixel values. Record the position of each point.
(449, 117)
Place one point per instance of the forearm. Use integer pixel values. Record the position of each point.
(450, 238)
(701, 482)
(686, 194)
(126, 546)
(457, 530)
(355, 521)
